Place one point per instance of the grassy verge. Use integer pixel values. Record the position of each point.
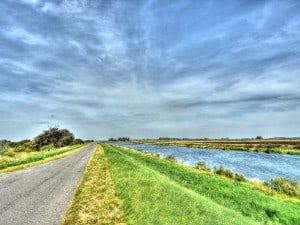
(158, 190)
(277, 146)
(37, 158)
(149, 197)
(95, 201)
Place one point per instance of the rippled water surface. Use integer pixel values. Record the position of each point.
(253, 165)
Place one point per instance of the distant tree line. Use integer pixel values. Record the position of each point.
(226, 138)
(119, 139)
(171, 138)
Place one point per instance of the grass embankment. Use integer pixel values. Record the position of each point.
(156, 191)
(267, 146)
(95, 201)
(24, 159)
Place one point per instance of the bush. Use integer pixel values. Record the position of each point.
(224, 172)
(157, 155)
(285, 186)
(4, 144)
(239, 177)
(25, 146)
(10, 153)
(171, 158)
(296, 147)
(47, 148)
(54, 136)
(202, 166)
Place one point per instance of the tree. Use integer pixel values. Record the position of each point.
(259, 138)
(54, 136)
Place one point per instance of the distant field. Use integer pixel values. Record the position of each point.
(284, 146)
(158, 191)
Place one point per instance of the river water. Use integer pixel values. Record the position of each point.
(253, 165)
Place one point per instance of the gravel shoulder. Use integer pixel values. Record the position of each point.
(41, 194)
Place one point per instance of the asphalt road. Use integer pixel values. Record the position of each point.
(41, 194)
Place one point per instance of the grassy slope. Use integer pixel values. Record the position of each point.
(150, 197)
(129, 169)
(95, 201)
(37, 158)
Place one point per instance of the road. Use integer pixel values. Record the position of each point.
(41, 194)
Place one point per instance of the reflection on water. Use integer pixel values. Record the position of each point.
(253, 165)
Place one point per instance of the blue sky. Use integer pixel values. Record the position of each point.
(146, 68)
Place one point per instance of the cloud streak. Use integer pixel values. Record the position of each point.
(150, 68)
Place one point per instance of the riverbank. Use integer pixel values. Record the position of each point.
(280, 146)
(253, 165)
(159, 191)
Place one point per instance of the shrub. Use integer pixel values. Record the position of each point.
(285, 186)
(4, 144)
(239, 177)
(25, 146)
(224, 172)
(171, 158)
(54, 136)
(271, 212)
(10, 153)
(157, 155)
(47, 148)
(202, 166)
(296, 147)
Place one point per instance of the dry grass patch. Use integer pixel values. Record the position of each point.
(96, 201)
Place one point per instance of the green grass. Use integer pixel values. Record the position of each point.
(156, 191)
(36, 158)
(95, 201)
(149, 197)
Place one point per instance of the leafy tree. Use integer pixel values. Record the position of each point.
(54, 136)
(259, 138)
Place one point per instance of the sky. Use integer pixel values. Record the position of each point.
(150, 68)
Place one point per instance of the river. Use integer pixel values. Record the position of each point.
(253, 165)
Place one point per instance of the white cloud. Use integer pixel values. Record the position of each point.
(23, 35)
(31, 2)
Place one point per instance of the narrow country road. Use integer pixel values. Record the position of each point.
(40, 195)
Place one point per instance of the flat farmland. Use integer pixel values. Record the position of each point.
(283, 146)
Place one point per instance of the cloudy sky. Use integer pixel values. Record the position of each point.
(147, 68)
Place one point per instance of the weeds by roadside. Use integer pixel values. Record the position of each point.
(33, 158)
(96, 201)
